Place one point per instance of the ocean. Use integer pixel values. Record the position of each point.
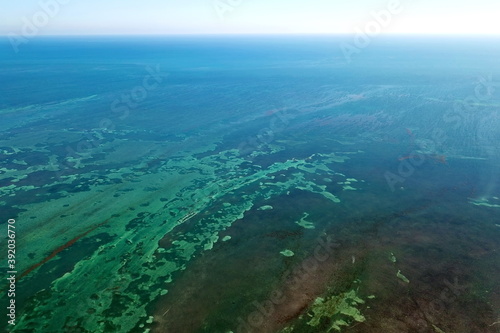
(251, 184)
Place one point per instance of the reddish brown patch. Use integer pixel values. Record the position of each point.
(59, 249)
(299, 296)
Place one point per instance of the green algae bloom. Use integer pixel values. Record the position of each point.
(485, 202)
(402, 277)
(287, 253)
(343, 307)
(305, 224)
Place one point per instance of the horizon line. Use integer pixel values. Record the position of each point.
(457, 34)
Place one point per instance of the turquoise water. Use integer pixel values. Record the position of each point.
(252, 184)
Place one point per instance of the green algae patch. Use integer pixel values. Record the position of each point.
(187, 249)
(335, 158)
(437, 329)
(287, 253)
(485, 202)
(330, 196)
(402, 277)
(392, 257)
(212, 239)
(266, 207)
(348, 188)
(341, 310)
(305, 224)
(226, 238)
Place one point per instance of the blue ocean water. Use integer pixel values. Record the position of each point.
(183, 183)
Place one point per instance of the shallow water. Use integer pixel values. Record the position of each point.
(252, 184)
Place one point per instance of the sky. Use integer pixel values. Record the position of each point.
(91, 17)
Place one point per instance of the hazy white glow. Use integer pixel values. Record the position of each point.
(247, 16)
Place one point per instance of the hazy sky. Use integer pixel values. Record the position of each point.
(244, 16)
